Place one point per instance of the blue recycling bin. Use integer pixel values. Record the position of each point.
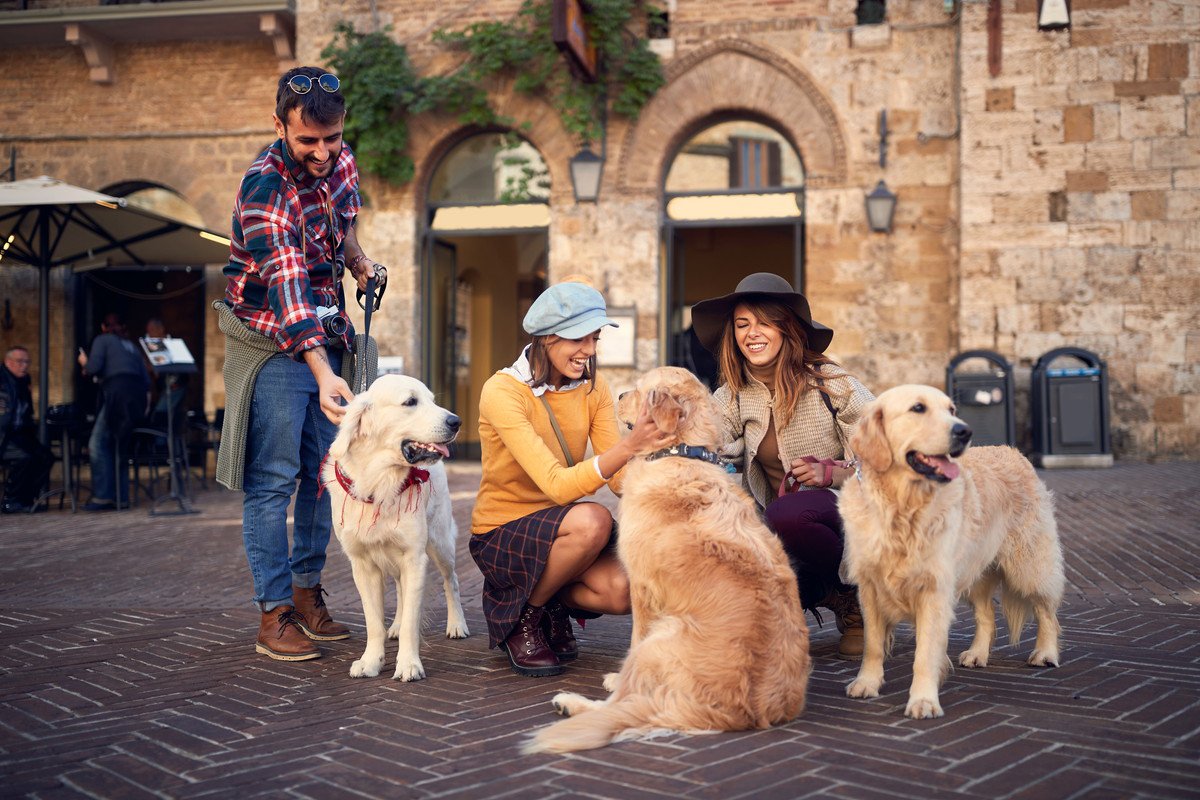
(1070, 409)
(984, 397)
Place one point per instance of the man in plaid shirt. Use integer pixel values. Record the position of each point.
(293, 237)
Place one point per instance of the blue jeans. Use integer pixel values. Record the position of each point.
(287, 438)
(124, 397)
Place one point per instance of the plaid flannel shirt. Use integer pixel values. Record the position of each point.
(287, 251)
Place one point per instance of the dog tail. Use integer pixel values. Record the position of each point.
(595, 727)
(1016, 609)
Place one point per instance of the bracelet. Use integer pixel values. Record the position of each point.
(360, 257)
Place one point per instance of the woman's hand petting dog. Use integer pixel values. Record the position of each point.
(645, 436)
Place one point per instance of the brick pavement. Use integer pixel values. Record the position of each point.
(127, 670)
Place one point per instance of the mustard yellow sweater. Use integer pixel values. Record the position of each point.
(523, 465)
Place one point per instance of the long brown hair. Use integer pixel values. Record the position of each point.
(539, 363)
(797, 369)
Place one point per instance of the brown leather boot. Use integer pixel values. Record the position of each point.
(848, 618)
(314, 616)
(528, 652)
(556, 624)
(280, 637)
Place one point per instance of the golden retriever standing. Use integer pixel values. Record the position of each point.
(719, 640)
(391, 508)
(928, 522)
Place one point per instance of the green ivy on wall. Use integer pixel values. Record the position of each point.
(383, 90)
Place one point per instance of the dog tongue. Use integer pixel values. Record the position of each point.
(441, 448)
(945, 467)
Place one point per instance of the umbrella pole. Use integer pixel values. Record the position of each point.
(43, 324)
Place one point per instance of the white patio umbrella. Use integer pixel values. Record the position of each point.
(47, 223)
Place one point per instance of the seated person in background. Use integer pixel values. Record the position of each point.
(18, 435)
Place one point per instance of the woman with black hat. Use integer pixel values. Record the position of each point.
(790, 410)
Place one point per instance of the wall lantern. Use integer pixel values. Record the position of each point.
(586, 168)
(881, 207)
(1054, 15)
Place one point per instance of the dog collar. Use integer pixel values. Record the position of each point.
(693, 451)
(416, 476)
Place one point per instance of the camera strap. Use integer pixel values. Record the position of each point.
(360, 372)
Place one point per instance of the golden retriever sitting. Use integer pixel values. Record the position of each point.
(928, 522)
(391, 508)
(719, 640)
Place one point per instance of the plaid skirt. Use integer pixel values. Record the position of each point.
(512, 558)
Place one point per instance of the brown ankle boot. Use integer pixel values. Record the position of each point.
(280, 637)
(528, 652)
(848, 618)
(314, 616)
(556, 624)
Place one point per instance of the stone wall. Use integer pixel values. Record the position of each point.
(1080, 197)
(804, 68)
(1054, 204)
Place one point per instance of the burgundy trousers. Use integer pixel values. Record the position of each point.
(808, 524)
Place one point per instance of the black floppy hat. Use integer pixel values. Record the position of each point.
(709, 316)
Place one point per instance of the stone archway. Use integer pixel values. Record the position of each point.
(432, 137)
(738, 77)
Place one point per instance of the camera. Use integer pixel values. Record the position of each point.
(335, 325)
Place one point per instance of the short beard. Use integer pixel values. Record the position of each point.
(304, 164)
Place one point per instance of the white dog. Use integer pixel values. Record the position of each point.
(391, 508)
(928, 521)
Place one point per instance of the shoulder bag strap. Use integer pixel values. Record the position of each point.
(562, 442)
(825, 399)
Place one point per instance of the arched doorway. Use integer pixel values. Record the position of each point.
(733, 201)
(485, 251)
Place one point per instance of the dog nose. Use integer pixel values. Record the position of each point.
(453, 422)
(961, 433)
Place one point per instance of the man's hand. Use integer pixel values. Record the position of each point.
(363, 269)
(333, 389)
(330, 386)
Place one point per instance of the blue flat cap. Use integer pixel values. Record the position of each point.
(569, 310)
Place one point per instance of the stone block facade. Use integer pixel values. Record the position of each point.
(1052, 204)
(1085, 208)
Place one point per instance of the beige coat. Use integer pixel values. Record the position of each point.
(812, 430)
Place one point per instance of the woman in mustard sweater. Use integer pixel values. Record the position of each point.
(540, 551)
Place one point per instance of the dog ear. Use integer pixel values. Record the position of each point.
(869, 442)
(665, 410)
(355, 425)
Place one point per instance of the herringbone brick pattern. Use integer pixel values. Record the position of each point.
(127, 670)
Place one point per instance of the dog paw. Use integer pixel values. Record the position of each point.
(969, 658)
(610, 681)
(568, 703)
(923, 708)
(863, 688)
(412, 671)
(1043, 658)
(394, 631)
(457, 630)
(366, 667)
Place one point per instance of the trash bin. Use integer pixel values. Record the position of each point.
(1069, 407)
(984, 399)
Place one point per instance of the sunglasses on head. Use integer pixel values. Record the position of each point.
(302, 84)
